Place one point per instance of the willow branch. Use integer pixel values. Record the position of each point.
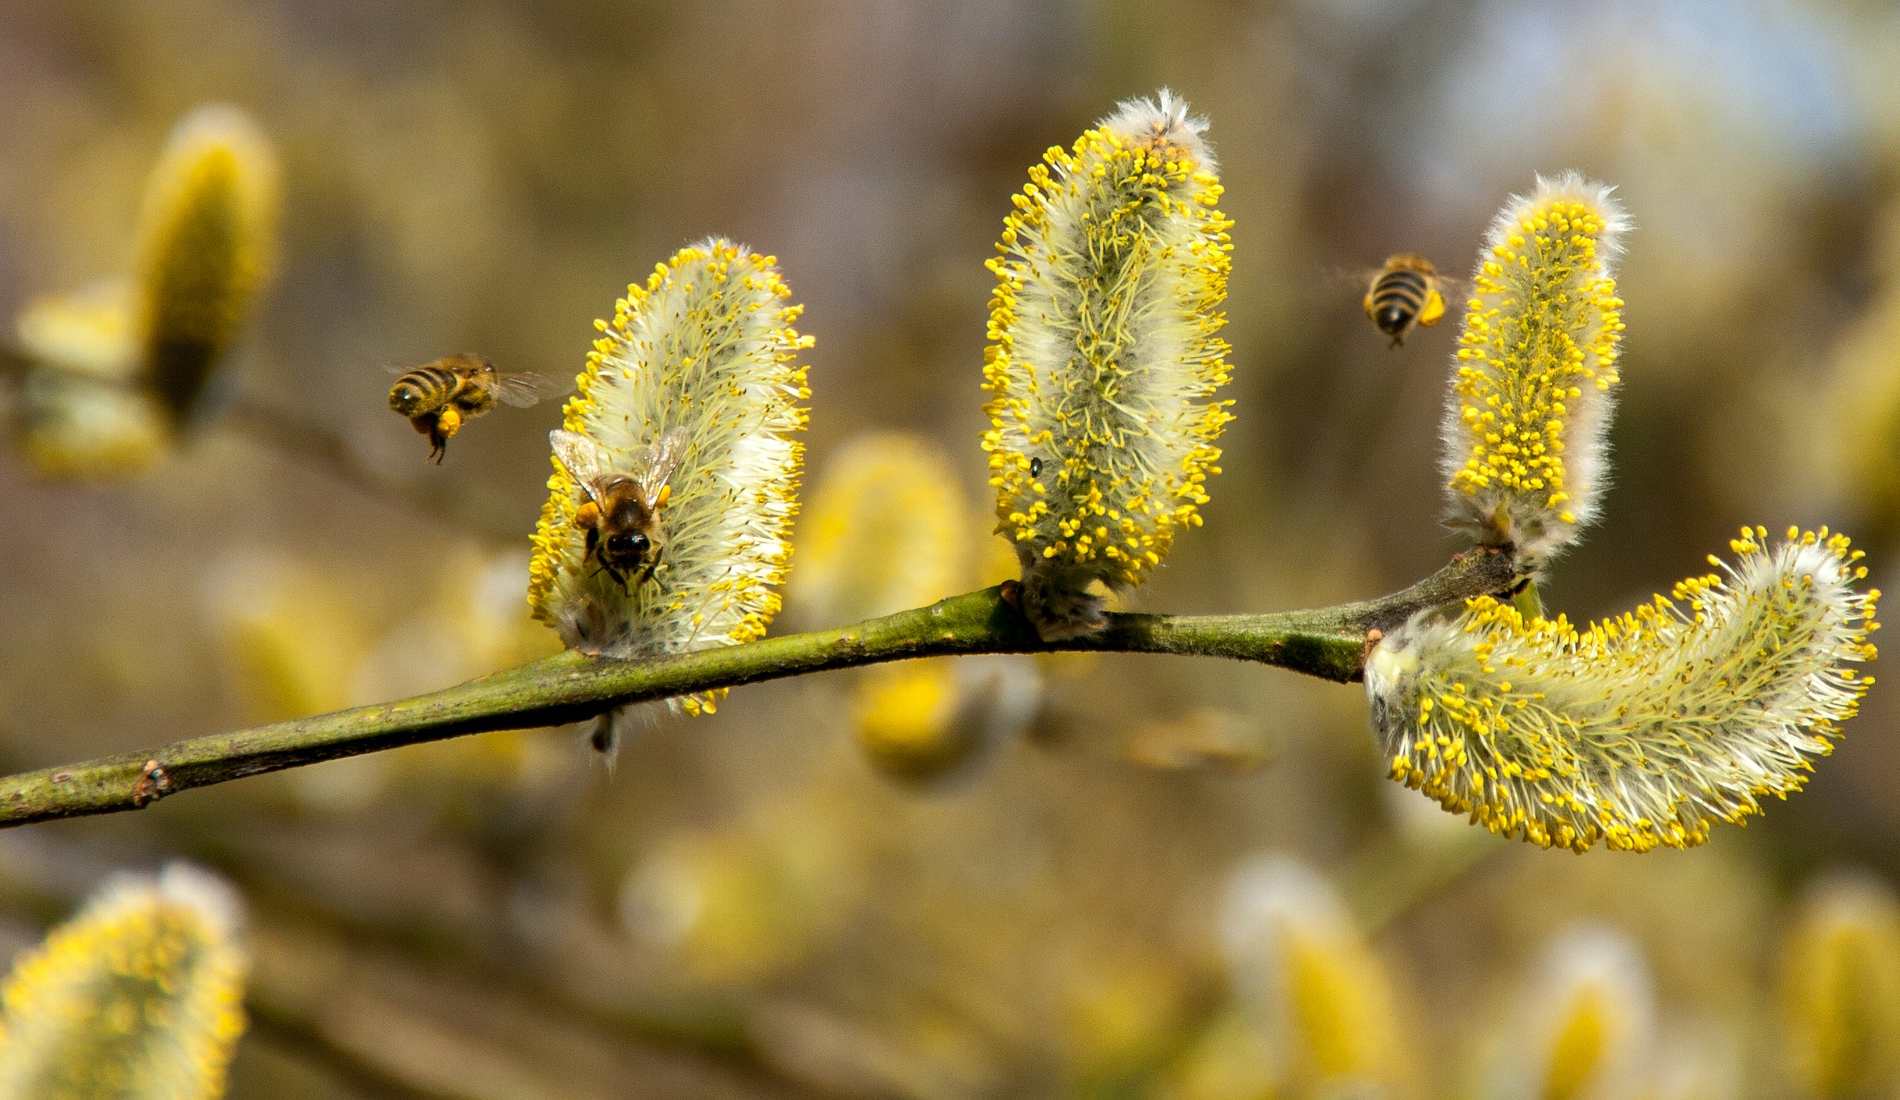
(1329, 643)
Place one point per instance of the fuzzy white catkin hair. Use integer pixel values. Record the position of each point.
(706, 348)
(1105, 356)
(1531, 397)
(1639, 731)
(140, 995)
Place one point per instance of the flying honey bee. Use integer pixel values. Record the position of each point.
(622, 512)
(1408, 291)
(440, 396)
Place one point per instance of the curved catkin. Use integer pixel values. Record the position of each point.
(1840, 985)
(705, 348)
(1642, 730)
(207, 238)
(1536, 375)
(139, 996)
(1105, 355)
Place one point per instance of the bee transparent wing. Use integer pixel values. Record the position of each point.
(584, 459)
(523, 388)
(1341, 280)
(662, 460)
(1335, 276)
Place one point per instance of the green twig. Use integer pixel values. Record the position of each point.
(1329, 643)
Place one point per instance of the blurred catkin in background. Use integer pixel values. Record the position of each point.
(122, 367)
(139, 996)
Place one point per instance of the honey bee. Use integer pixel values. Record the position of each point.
(1408, 291)
(622, 512)
(440, 396)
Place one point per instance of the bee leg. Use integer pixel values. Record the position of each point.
(619, 577)
(604, 739)
(426, 425)
(1398, 341)
(647, 573)
(447, 423)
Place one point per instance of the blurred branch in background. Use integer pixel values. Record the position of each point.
(298, 439)
(362, 1004)
(1329, 643)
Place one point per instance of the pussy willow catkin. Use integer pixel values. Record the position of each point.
(1840, 988)
(1314, 985)
(705, 348)
(1642, 730)
(140, 995)
(124, 362)
(207, 239)
(1105, 356)
(886, 527)
(1584, 1026)
(1536, 371)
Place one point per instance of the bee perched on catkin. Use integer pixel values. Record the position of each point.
(675, 532)
(1104, 357)
(1536, 375)
(1642, 730)
(139, 995)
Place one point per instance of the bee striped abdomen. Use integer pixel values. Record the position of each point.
(1395, 302)
(423, 390)
(1404, 293)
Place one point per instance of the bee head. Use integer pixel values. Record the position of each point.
(1391, 320)
(405, 398)
(628, 546)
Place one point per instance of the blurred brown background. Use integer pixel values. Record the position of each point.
(746, 908)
